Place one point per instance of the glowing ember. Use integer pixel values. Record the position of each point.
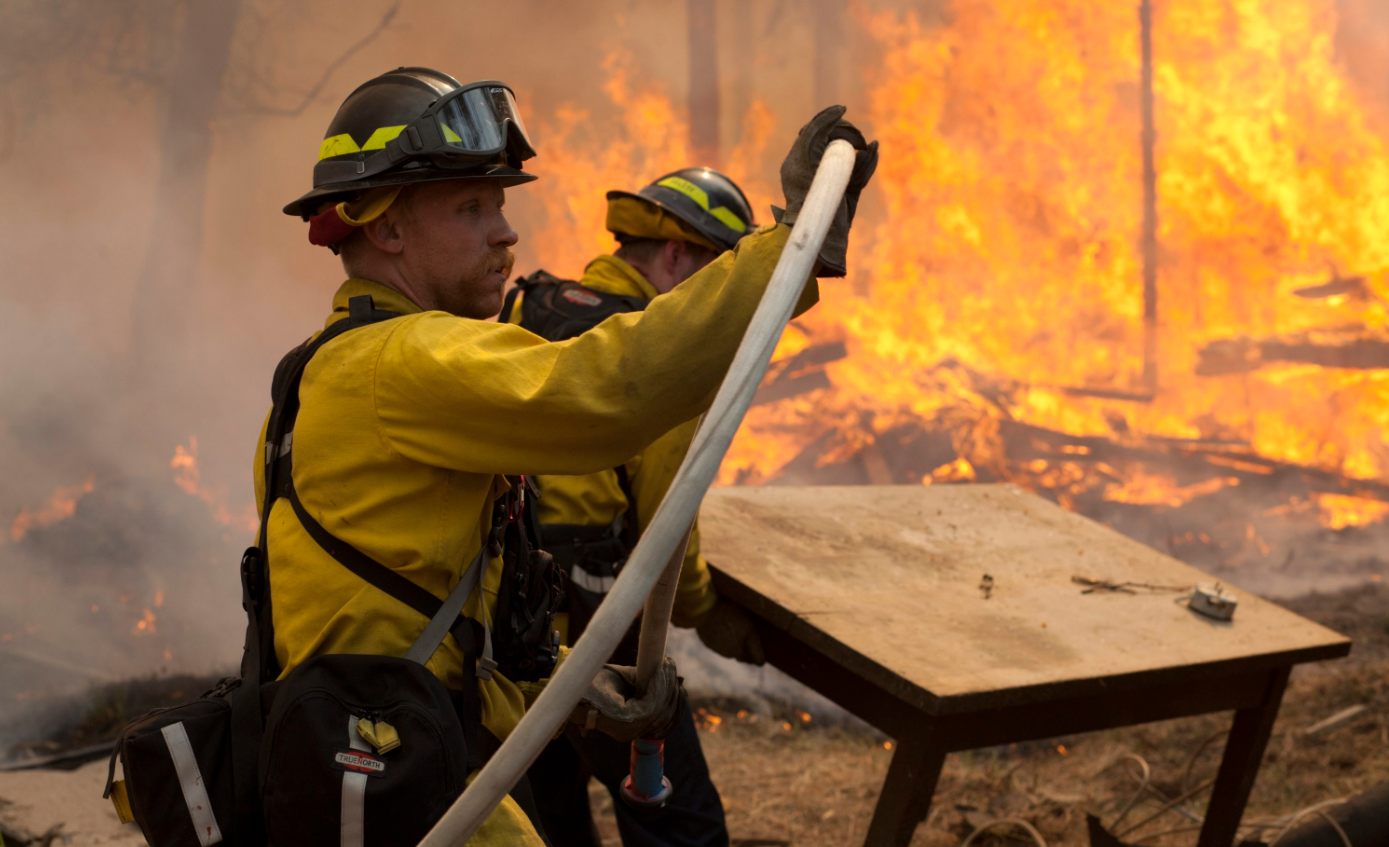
(62, 503)
(145, 625)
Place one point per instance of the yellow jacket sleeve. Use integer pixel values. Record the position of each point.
(651, 473)
(487, 397)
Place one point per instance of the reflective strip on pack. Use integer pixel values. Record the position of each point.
(697, 194)
(354, 794)
(591, 582)
(190, 779)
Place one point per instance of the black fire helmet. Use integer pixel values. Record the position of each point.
(703, 198)
(418, 125)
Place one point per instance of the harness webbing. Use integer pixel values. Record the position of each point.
(259, 663)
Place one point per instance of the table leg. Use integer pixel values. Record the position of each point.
(906, 795)
(1243, 752)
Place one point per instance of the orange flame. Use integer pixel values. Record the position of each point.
(1340, 511)
(652, 138)
(188, 477)
(1005, 249)
(1011, 180)
(61, 505)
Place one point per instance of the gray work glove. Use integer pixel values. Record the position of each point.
(611, 704)
(728, 631)
(799, 169)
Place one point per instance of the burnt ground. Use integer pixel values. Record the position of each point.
(791, 778)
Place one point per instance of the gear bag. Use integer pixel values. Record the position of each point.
(556, 309)
(347, 749)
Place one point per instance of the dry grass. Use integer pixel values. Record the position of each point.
(815, 785)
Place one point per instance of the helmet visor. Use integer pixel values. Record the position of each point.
(474, 120)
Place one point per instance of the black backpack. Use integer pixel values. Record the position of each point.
(346, 749)
(556, 309)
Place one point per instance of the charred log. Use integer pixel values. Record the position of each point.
(1334, 349)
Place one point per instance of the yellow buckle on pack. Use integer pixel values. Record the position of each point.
(121, 801)
(380, 735)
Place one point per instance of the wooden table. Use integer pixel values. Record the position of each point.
(871, 595)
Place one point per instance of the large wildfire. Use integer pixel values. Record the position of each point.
(993, 324)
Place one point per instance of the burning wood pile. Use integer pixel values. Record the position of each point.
(997, 325)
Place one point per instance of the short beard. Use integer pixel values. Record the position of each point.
(474, 300)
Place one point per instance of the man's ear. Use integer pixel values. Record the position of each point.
(671, 255)
(383, 232)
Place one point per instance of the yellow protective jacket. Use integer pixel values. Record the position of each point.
(597, 499)
(406, 427)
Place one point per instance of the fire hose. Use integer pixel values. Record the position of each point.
(655, 563)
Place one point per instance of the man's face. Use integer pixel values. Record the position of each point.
(457, 245)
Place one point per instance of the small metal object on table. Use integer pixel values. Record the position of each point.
(870, 595)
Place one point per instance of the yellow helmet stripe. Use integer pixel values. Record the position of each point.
(337, 145)
(729, 219)
(697, 194)
(381, 136)
(342, 144)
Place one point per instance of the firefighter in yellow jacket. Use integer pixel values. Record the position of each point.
(666, 233)
(413, 429)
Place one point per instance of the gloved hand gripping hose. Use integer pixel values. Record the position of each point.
(646, 785)
(655, 553)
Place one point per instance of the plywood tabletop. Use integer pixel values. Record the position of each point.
(885, 581)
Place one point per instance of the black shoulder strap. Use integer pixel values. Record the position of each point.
(509, 302)
(279, 482)
(630, 531)
(556, 309)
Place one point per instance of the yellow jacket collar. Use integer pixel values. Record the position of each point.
(382, 296)
(612, 275)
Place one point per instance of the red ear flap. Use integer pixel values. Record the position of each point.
(328, 228)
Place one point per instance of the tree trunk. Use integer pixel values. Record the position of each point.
(1150, 221)
(829, 33)
(704, 82)
(168, 277)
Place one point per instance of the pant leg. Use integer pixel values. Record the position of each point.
(559, 784)
(694, 815)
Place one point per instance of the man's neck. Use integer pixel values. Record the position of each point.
(654, 280)
(391, 278)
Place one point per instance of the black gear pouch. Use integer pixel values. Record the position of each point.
(178, 770)
(323, 784)
(532, 591)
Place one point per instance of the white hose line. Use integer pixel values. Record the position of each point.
(672, 519)
(655, 620)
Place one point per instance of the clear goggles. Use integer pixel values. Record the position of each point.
(475, 122)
